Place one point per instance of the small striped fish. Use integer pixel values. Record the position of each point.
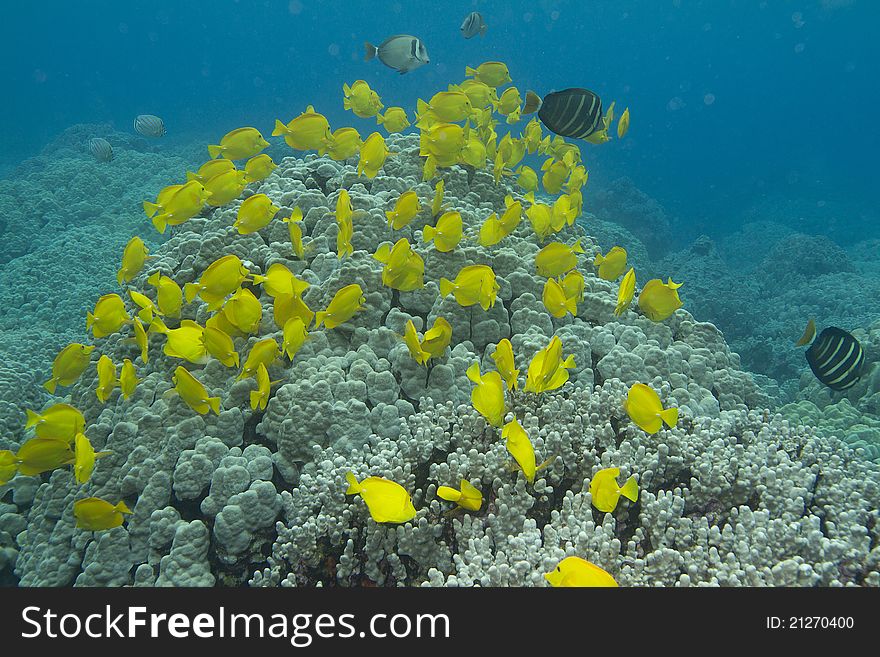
(149, 125)
(836, 358)
(473, 25)
(574, 113)
(100, 149)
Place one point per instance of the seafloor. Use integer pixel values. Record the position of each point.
(768, 479)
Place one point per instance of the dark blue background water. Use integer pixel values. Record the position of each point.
(729, 100)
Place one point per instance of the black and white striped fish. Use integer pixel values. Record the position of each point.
(473, 25)
(149, 125)
(100, 149)
(836, 358)
(575, 113)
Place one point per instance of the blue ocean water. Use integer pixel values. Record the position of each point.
(731, 101)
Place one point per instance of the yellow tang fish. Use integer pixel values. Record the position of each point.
(308, 131)
(8, 466)
(405, 210)
(491, 232)
(193, 393)
(512, 215)
(169, 296)
(296, 236)
(280, 281)
(361, 100)
(509, 101)
(107, 380)
(437, 338)
(146, 305)
(344, 235)
(263, 352)
(342, 144)
(68, 365)
(404, 268)
(443, 142)
(394, 120)
(446, 234)
(606, 493)
(294, 335)
(84, 459)
(259, 168)
(220, 346)
(528, 179)
(260, 396)
(239, 144)
(94, 514)
(520, 448)
(244, 311)
(186, 342)
(108, 316)
(659, 301)
(254, 214)
(345, 303)
(467, 496)
(211, 168)
(474, 284)
(474, 152)
(60, 421)
(574, 571)
(128, 379)
(437, 201)
(503, 357)
(555, 300)
(479, 93)
(557, 258)
(493, 74)
(222, 277)
(179, 206)
(373, 155)
(625, 292)
(565, 211)
(531, 135)
(134, 256)
(623, 124)
(573, 285)
(226, 187)
(387, 501)
(444, 107)
(611, 265)
(488, 395)
(289, 306)
(39, 455)
(411, 339)
(547, 370)
(644, 407)
(555, 175)
(541, 217)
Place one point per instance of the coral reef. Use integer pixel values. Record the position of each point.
(733, 495)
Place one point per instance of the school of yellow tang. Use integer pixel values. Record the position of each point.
(456, 127)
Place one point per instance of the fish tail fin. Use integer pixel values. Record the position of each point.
(571, 305)
(446, 287)
(151, 208)
(32, 419)
(160, 223)
(346, 103)
(630, 490)
(533, 103)
(190, 290)
(473, 373)
(390, 214)
(577, 248)
(214, 403)
(50, 385)
(428, 233)
(119, 276)
(569, 362)
(448, 494)
(809, 334)
(157, 326)
(470, 71)
(122, 507)
(320, 316)
(280, 129)
(354, 486)
(90, 319)
(214, 150)
(380, 119)
(190, 176)
(669, 416)
(153, 279)
(370, 51)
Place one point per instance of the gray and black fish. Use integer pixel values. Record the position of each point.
(836, 358)
(575, 113)
(149, 125)
(100, 149)
(401, 52)
(473, 25)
